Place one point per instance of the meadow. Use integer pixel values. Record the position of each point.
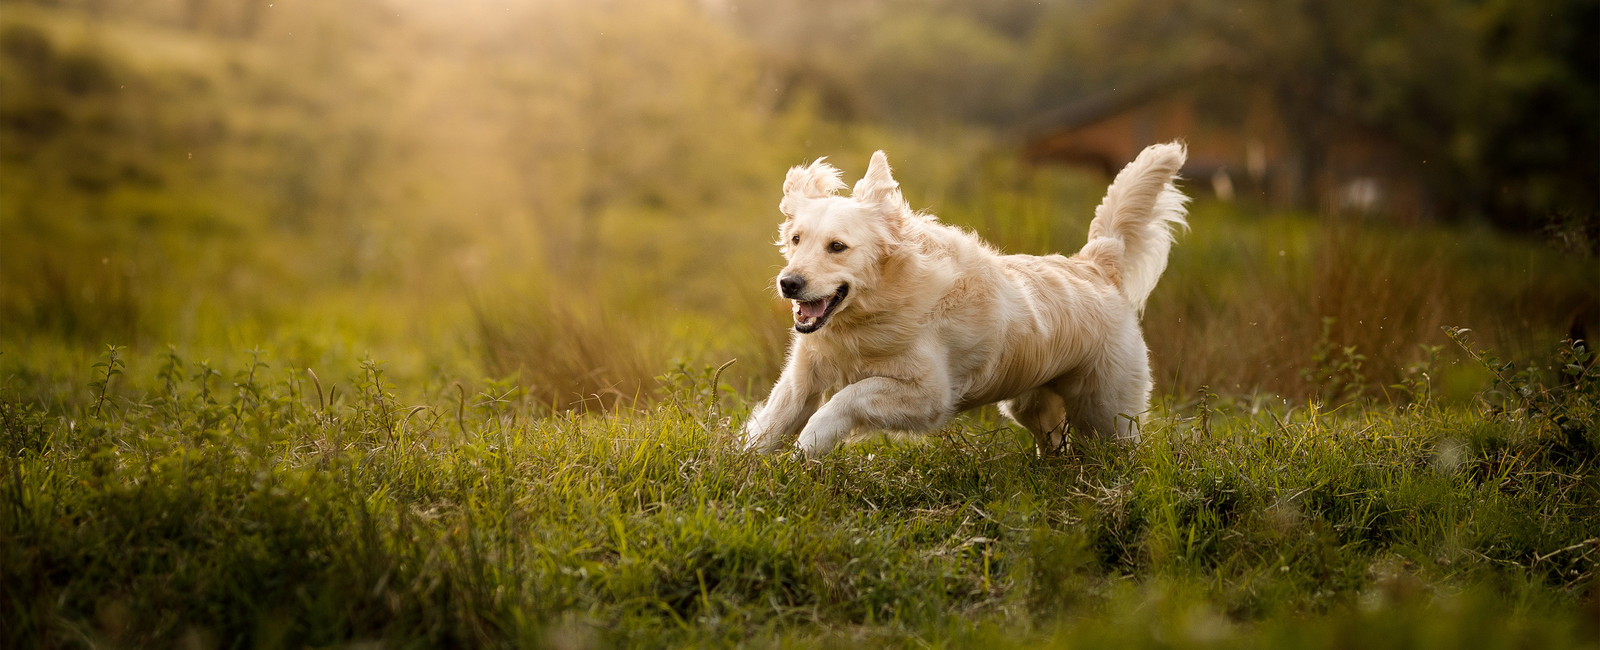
(370, 324)
(257, 506)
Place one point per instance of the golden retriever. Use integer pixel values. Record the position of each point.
(907, 321)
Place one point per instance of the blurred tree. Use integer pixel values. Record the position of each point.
(926, 67)
(626, 104)
(1496, 101)
(915, 64)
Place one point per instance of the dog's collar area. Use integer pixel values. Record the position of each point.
(811, 315)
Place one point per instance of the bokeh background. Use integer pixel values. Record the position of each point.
(572, 196)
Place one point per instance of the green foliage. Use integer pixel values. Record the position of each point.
(702, 392)
(109, 369)
(1561, 399)
(924, 68)
(1496, 100)
(25, 427)
(1335, 370)
(1416, 380)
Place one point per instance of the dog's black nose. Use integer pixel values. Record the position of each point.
(791, 285)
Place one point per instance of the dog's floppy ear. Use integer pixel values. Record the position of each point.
(878, 187)
(813, 181)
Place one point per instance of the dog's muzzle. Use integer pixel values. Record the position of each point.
(811, 315)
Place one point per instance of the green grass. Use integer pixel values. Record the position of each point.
(257, 506)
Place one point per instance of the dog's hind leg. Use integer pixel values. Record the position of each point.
(1107, 417)
(1109, 397)
(1042, 412)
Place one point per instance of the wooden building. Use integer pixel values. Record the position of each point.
(1240, 147)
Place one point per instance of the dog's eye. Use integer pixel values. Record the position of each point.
(837, 247)
(796, 239)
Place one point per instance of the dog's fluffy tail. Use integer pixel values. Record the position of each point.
(1141, 210)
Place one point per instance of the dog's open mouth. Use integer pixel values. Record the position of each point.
(811, 315)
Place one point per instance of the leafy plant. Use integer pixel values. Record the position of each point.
(24, 427)
(110, 367)
(699, 392)
(1416, 379)
(1336, 370)
(1569, 405)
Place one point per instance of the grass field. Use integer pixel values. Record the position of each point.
(256, 506)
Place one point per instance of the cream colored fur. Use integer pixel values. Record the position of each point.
(936, 322)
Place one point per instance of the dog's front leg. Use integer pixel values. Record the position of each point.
(878, 403)
(791, 403)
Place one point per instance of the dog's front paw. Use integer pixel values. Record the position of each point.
(757, 432)
(754, 441)
(814, 442)
(808, 447)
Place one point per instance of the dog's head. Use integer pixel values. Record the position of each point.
(836, 245)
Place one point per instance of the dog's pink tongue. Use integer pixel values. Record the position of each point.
(814, 308)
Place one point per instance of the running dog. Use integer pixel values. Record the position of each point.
(907, 321)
